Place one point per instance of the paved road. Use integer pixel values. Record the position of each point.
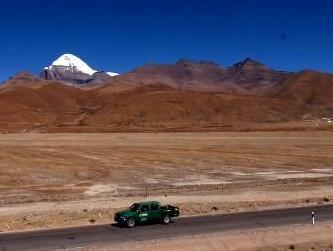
(104, 234)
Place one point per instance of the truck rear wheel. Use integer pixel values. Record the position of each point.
(130, 222)
(166, 219)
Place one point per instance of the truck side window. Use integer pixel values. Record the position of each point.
(154, 207)
(145, 208)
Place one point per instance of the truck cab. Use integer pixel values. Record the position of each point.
(146, 212)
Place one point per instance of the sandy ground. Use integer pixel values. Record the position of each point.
(296, 237)
(92, 165)
(57, 180)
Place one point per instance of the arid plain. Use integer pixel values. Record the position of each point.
(100, 164)
(73, 179)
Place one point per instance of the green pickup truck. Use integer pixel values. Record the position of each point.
(146, 212)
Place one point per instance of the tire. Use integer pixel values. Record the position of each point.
(130, 222)
(166, 219)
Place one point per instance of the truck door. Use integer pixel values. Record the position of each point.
(155, 212)
(143, 213)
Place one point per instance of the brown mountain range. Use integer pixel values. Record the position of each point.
(247, 77)
(186, 96)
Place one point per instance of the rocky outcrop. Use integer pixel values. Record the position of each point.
(66, 74)
(99, 78)
(253, 75)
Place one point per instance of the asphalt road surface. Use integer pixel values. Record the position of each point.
(95, 235)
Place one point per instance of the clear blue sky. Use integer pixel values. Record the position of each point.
(121, 35)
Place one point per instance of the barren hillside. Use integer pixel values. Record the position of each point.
(170, 98)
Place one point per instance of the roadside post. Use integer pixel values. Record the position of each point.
(313, 218)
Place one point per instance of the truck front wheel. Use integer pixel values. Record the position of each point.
(130, 222)
(166, 219)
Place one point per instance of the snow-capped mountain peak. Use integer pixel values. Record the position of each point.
(70, 68)
(73, 63)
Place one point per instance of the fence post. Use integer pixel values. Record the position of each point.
(146, 192)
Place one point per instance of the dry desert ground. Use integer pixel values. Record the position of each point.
(56, 180)
(100, 164)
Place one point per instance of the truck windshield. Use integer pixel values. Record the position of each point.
(135, 207)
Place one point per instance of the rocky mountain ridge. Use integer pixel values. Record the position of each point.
(185, 96)
(247, 77)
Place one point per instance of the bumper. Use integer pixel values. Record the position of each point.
(119, 219)
(173, 212)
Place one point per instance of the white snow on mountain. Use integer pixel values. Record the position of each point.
(112, 74)
(74, 63)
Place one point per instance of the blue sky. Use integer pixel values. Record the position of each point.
(121, 35)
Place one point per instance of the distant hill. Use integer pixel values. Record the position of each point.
(186, 96)
(308, 87)
(246, 77)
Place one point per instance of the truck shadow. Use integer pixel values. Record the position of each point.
(117, 225)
